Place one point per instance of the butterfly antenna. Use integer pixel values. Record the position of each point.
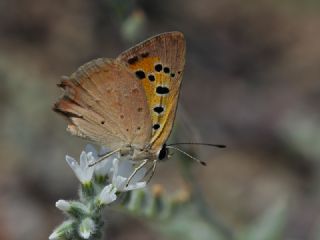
(196, 143)
(188, 155)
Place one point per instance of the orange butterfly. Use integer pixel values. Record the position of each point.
(128, 104)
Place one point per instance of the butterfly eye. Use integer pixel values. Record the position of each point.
(163, 153)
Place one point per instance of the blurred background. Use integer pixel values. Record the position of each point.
(251, 82)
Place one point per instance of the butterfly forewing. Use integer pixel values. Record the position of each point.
(106, 103)
(158, 63)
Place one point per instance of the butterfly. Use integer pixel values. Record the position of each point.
(128, 104)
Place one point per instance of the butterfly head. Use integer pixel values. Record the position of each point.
(163, 153)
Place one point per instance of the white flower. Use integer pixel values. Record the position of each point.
(89, 148)
(63, 205)
(101, 168)
(121, 171)
(86, 228)
(54, 235)
(73, 208)
(107, 195)
(83, 171)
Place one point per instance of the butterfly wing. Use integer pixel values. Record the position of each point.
(159, 62)
(106, 103)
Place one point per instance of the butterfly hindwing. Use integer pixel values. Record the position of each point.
(159, 63)
(105, 102)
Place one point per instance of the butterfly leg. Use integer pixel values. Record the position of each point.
(104, 157)
(144, 162)
(153, 169)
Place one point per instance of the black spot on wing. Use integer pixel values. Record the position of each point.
(162, 90)
(140, 74)
(151, 78)
(158, 67)
(166, 70)
(158, 109)
(156, 126)
(145, 54)
(133, 60)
